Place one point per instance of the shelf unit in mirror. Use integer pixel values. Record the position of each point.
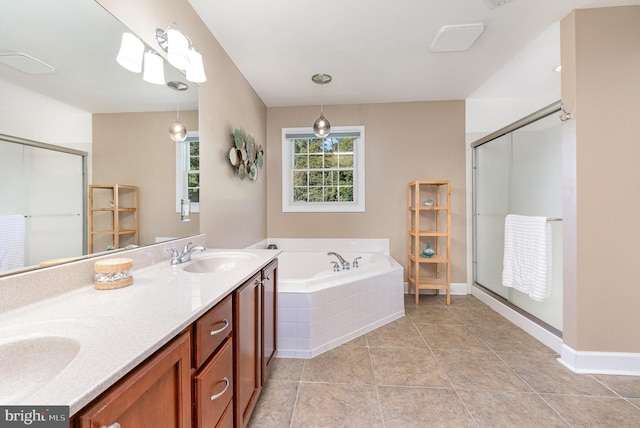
(113, 216)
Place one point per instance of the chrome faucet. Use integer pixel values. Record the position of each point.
(178, 257)
(343, 262)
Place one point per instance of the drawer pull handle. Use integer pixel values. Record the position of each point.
(220, 394)
(220, 330)
(113, 425)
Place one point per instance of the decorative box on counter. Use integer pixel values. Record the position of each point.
(112, 273)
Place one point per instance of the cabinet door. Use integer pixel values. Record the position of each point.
(156, 394)
(246, 345)
(269, 281)
(213, 387)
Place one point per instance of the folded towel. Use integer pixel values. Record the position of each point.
(527, 255)
(11, 242)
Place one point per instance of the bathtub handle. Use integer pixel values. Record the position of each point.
(355, 262)
(336, 266)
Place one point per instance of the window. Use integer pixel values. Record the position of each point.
(323, 175)
(188, 171)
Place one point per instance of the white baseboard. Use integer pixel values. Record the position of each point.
(458, 288)
(614, 363)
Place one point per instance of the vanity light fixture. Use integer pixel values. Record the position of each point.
(321, 127)
(177, 131)
(181, 53)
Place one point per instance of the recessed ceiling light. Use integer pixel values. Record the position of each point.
(456, 38)
(25, 63)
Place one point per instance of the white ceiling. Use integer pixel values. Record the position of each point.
(378, 51)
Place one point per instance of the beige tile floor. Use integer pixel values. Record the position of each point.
(457, 366)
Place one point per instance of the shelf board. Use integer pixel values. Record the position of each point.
(430, 283)
(113, 232)
(434, 259)
(427, 233)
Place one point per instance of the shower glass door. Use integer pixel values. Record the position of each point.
(518, 172)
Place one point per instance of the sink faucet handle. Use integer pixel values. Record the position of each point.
(355, 262)
(175, 254)
(186, 247)
(336, 266)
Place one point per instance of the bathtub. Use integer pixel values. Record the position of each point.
(319, 309)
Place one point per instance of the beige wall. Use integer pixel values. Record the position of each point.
(601, 84)
(404, 142)
(233, 212)
(135, 149)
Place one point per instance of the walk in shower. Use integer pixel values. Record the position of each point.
(518, 170)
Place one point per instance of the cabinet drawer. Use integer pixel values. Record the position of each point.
(211, 329)
(213, 387)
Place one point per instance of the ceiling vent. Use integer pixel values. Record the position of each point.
(495, 3)
(25, 63)
(456, 38)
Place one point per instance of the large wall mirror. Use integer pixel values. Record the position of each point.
(62, 87)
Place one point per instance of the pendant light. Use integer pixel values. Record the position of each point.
(321, 127)
(177, 131)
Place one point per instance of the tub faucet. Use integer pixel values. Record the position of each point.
(178, 257)
(343, 262)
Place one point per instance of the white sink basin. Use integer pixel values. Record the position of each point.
(28, 363)
(218, 262)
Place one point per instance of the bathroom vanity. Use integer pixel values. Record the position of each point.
(185, 345)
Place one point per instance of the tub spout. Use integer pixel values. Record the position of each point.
(343, 262)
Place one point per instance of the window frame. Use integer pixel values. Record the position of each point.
(182, 171)
(358, 204)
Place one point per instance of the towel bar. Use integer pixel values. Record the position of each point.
(554, 219)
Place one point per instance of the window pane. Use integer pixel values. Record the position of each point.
(315, 194)
(194, 163)
(300, 162)
(300, 178)
(315, 161)
(346, 161)
(315, 146)
(330, 161)
(194, 195)
(315, 178)
(346, 193)
(346, 145)
(330, 194)
(300, 146)
(194, 148)
(300, 194)
(346, 177)
(330, 177)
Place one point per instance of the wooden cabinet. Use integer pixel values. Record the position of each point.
(156, 394)
(213, 361)
(429, 223)
(113, 216)
(269, 322)
(247, 348)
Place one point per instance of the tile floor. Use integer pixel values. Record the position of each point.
(457, 366)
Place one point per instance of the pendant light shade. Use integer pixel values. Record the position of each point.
(321, 127)
(130, 53)
(153, 68)
(177, 131)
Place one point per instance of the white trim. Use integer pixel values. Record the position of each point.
(614, 363)
(457, 289)
(541, 334)
(359, 178)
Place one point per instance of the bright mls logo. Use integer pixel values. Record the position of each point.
(34, 416)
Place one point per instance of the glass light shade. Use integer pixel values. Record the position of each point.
(321, 127)
(178, 132)
(153, 68)
(195, 71)
(130, 53)
(178, 51)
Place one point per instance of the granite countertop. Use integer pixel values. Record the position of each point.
(112, 331)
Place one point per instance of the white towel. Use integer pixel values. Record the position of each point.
(11, 242)
(527, 255)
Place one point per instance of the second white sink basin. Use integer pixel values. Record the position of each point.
(30, 362)
(218, 262)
